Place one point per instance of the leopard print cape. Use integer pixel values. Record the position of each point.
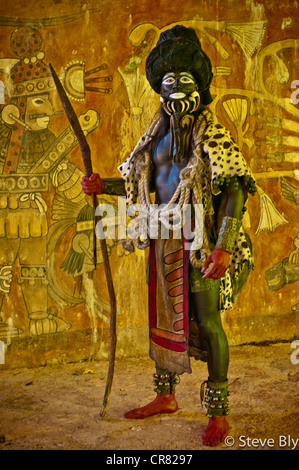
(216, 159)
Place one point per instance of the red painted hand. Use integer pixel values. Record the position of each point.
(93, 184)
(220, 260)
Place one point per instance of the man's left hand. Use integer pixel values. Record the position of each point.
(220, 260)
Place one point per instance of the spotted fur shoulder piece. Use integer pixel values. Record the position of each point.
(129, 168)
(226, 160)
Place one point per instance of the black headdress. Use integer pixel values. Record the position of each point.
(179, 48)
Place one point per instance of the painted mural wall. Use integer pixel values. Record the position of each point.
(54, 306)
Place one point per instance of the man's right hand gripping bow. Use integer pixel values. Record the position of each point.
(92, 184)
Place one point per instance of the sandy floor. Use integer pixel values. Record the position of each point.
(56, 407)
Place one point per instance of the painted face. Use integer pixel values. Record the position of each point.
(177, 85)
(38, 112)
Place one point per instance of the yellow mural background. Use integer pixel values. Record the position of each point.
(253, 49)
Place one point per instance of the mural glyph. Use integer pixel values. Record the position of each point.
(33, 164)
(41, 199)
(274, 139)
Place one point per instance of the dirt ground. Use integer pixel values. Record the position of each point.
(57, 407)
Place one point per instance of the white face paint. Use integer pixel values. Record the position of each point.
(176, 85)
(38, 112)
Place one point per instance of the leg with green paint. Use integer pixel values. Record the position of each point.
(204, 306)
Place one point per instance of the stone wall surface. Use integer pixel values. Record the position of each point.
(54, 306)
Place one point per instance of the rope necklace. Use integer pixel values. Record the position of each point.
(192, 177)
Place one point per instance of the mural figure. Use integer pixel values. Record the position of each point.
(187, 157)
(268, 147)
(287, 270)
(25, 138)
(262, 116)
(33, 161)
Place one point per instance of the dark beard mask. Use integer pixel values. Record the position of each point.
(181, 113)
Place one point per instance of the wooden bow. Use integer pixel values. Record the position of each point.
(85, 150)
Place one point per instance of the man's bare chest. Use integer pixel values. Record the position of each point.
(167, 172)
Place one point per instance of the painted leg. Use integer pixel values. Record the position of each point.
(8, 253)
(34, 282)
(205, 308)
(216, 431)
(164, 402)
(161, 404)
(215, 397)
